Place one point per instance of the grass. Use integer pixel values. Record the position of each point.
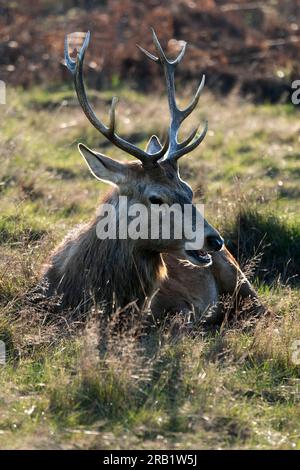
(237, 387)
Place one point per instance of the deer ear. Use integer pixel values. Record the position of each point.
(102, 167)
(153, 145)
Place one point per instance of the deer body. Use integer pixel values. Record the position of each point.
(85, 270)
(188, 288)
(114, 272)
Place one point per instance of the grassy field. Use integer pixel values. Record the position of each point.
(236, 387)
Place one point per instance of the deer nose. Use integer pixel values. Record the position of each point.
(215, 242)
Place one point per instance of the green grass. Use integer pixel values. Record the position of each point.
(233, 388)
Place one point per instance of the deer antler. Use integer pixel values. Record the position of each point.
(76, 67)
(177, 149)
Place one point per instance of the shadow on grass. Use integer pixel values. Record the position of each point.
(278, 244)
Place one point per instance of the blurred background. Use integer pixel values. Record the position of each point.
(247, 46)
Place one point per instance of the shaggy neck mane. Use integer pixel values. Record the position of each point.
(86, 269)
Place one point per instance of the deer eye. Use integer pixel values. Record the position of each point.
(156, 200)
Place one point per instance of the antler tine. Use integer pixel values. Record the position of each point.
(184, 150)
(186, 141)
(190, 108)
(147, 53)
(76, 68)
(162, 56)
(180, 55)
(177, 149)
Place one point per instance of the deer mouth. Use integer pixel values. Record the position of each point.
(199, 257)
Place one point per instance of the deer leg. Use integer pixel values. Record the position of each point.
(231, 280)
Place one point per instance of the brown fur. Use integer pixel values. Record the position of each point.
(192, 288)
(84, 270)
(114, 273)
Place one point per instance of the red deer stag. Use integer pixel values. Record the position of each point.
(115, 272)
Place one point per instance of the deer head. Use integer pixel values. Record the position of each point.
(154, 179)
